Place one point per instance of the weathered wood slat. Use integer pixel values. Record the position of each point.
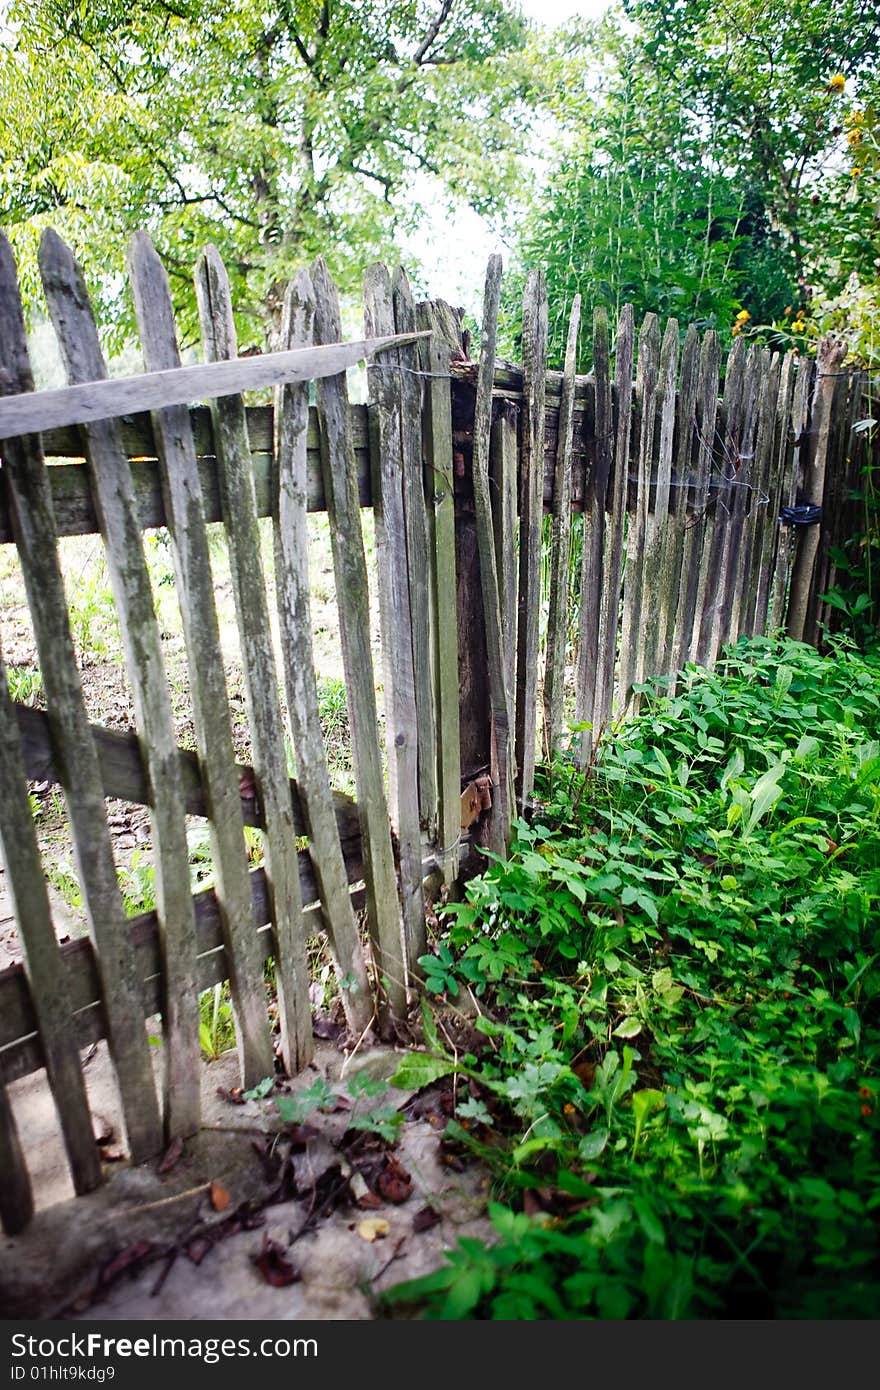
(758, 538)
(560, 549)
(152, 301)
(698, 527)
(102, 399)
(503, 463)
(621, 423)
(780, 457)
(16, 1195)
(395, 614)
(418, 561)
(116, 508)
(350, 567)
(124, 775)
(499, 691)
(294, 617)
(829, 357)
(35, 536)
(741, 443)
(593, 549)
(21, 1051)
(534, 342)
(260, 675)
(798, 444)
(437, 444)
(645, 407)
(42, 962)
(672, 552)
(721, 504)
(657, 599)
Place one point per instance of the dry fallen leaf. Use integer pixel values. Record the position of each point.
(220, 1197)
(373, 1228)
(394, 1182)
(273, 1264)
(425, 1219)
(171, 1155)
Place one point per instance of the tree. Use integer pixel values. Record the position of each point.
(275, 130)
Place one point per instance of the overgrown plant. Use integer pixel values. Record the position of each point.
(678, 969)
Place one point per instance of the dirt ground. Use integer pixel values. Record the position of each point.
(254, 1219)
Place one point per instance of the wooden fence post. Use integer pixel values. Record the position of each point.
(530, 530)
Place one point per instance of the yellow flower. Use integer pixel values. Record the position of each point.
(837, 83)
(797, 326)
(854, 137)
(743, 316)
(855, 171)
(855, 117)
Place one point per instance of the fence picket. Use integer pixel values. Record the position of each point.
(645, 403)
(560, 548)
(698, 529)
(47, 981)
(534, 346)
(118, 519)
(656, 600)
(417, 551)
(720, 501)
(621, 423)
(758, 534)
(672, 552)
(780, 455)
(396, 619)
(742, 444)
(183, 505)
(260, 674)
(294, 618)
(437, 444)
(34, 528)
(16, 1194)
(499, 691)
(350, 568)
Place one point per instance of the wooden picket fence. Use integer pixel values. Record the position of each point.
(681, 483)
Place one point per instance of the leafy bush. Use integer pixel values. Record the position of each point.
(679, 969)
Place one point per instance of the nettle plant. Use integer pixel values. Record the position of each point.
(678, 970)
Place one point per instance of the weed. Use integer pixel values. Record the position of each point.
(679, 979)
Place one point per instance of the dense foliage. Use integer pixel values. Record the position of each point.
(718, 158)
(276, 130)
(678, 978)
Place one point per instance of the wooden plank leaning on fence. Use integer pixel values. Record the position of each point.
(417, 550)
(260, 675)
(118, 519)
(183, 506)
(645, 406)
(294, 618)
(620, 427)
(560, 549)
(829, 359)
(350, 567)
(534, 346)
(657, 596)
(500, 694)
(434, 353)
(46, 979)
(35, 535)
(384, 383)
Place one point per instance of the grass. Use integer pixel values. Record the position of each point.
(677, 972)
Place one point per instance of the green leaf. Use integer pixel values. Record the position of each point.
(629, 1028)
(419, 1069)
